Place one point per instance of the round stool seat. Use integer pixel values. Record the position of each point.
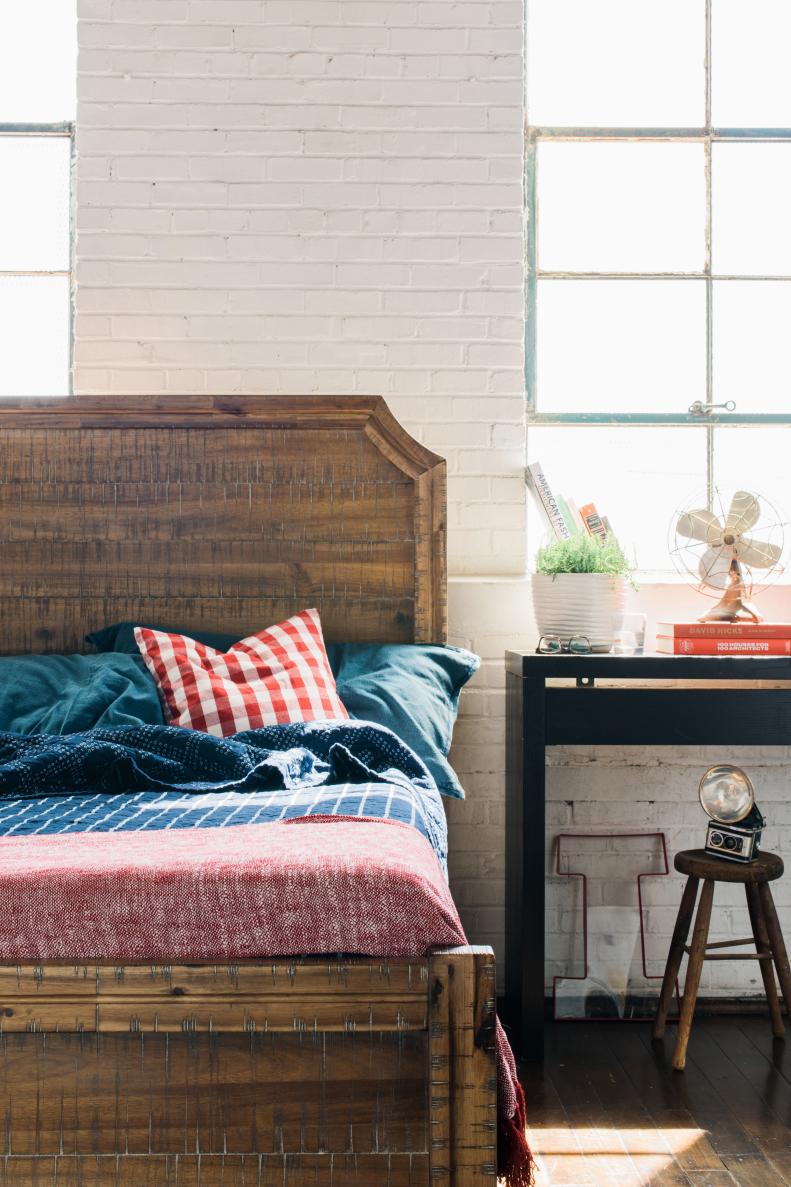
(697, 863)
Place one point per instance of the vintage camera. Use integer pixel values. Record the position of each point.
(727, 796)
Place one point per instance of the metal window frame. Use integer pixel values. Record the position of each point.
(710, 419)
(63, 129)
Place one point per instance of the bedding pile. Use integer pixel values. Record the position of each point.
(157, 843)
(142, 778)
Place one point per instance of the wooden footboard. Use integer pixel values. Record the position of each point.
(311, 1073)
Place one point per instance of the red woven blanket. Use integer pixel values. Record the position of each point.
(342, 884)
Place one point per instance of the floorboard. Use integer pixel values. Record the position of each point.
(606, 1109)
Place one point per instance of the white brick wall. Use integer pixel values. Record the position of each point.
(326, 195)
(314, 195)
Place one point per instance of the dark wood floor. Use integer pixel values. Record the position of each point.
(607, 1111)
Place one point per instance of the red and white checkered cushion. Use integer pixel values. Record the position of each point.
(281, 674)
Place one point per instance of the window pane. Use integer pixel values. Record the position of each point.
(752, 347)
(38, 61)
(637, 477)
(34, 203)
(751, 199)
(750, 80)
(756, 459)
(621, 207)
(34, 335)
(620, 345)
(608, 63)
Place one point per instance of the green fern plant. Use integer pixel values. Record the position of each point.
(583, 554)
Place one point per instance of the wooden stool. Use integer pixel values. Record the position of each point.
(767, 937)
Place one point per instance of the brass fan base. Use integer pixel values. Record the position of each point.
(734, 605)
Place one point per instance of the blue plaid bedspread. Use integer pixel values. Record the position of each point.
(152, 777)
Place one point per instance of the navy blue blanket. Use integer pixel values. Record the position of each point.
(153, 757)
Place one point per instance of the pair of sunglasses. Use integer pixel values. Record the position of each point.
(554, 645)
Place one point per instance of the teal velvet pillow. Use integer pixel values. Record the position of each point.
(412, 688)
(64, 694)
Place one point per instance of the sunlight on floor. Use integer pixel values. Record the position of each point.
(587, 1156)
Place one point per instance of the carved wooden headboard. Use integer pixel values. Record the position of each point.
(226, 513)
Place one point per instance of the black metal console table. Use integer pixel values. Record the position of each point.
(539, 714)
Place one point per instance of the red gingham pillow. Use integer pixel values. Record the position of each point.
(281, 674)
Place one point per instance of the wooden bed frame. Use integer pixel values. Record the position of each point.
(229, 514)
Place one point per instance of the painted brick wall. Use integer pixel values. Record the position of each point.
(314, 195)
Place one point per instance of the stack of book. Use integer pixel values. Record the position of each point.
(723, 638)
(562, 515)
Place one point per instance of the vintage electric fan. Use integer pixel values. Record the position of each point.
(729, 551)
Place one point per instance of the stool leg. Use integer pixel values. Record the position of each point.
(697, 955)
(776, 940)
(762, 946)
(674, 956)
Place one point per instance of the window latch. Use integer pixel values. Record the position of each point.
(701, 409)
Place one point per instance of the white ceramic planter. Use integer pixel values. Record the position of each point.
(589, 604)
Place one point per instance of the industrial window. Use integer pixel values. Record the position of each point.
(658, 186)
(38, 60)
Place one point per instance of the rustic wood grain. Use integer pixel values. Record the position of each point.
(697, 954)
(676, 954)
(439, 1089)
(466, 978)
(697, 863)
(762, 946)
(222, 1094)
(86, 1077)
(217, 514)
(122, 1074)
(607, 1109)
(190, 1170)
(779, 952)
(290, 979)
(246, 1015)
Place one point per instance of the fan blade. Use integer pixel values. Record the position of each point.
(714, 567)
(700, 525)
(758, 554)
(742, 513)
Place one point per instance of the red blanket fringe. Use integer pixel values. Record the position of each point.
(514, 1160)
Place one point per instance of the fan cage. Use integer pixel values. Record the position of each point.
(686, 553)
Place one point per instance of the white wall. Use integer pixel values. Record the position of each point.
(314, 195)
(326, 195)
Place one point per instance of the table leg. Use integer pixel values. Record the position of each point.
(514, 815)
(526, 865)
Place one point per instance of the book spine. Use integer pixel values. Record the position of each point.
(579, 522)
(724, 630)
(592, 520)
(568, 518)
(666, 646)
(547, 501)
